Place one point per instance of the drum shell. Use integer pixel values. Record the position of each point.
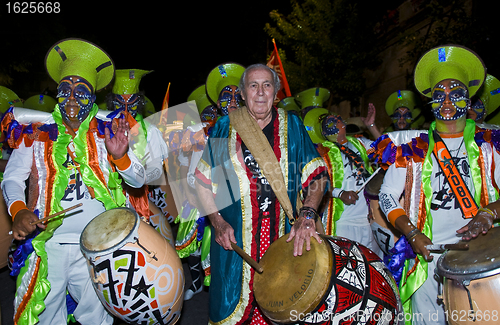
(330, 303)
(476, 270)
(139, 280)
(485, 297)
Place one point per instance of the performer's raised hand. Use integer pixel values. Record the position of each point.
(118, 145)
(22, 226)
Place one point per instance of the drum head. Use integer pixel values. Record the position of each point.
(482, 259)
(108, 229)
(292, 283)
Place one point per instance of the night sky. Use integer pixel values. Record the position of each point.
(181, 41)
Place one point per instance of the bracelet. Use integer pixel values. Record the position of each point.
(309, 213)
(412, 234)
(340, 193)
(488, 211)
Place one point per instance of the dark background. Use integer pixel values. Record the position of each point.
(181, 41)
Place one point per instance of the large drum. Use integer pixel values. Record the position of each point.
(136, 273)
(336, 282)
(471, 291)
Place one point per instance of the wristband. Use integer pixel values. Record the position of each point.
(412, 234)
(309, 213)
(488, 211)
(340, 193)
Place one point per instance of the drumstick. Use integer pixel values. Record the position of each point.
(56, 214)
(253, 263)
(442, 247)
(369, 178)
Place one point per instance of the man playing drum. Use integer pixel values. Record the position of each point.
(447, 175)
(245, 209)
(73, 158)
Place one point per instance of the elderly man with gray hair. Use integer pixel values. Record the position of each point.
(243, 206)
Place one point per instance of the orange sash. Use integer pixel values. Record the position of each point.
(466, 201)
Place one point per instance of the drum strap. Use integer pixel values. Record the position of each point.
(466, 201)
(255, 140)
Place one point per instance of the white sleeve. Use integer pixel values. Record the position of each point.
(156, 152)
(16, 173)
(134, 175)
(391, 189)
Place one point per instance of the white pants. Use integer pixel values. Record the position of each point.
(362, 234)
(67, 270)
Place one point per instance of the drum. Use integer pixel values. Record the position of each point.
(383, 232)
(471, 291)
(160, 222)
(338, 281)
(136, 274)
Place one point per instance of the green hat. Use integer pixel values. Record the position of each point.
(449, 62)
(77, 57)
(226, 74)
(41, 102)
(127, 81)
(149, 107)
(313, 123)
(289, 104)
(313, 97)
(8, 98)
(490, 94)
(402, 98)
(199, 95)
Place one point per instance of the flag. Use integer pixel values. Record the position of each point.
(274, 63)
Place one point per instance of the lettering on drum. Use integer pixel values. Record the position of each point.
(304, 285)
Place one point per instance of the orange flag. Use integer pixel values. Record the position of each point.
(274, 63)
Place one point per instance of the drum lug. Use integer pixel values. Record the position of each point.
(151, 255)
(472, 313)
(440, 289)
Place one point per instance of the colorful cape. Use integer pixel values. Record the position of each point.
(222, 168)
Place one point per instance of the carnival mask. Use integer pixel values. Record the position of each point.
(331, 126)
(129, 103)
(208, 114)
(76, 98)
(457, 103)
(477, 109)
(404, 114)
(226, 97)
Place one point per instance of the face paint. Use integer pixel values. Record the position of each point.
(208, 114)
(402, 118)
(332, 127)
(477, 110)
(76, 98)
(229, 99)
(450, 100)
(129, 103)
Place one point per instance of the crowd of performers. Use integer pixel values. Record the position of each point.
(69, 150)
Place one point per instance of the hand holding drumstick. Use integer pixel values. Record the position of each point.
(25, 222)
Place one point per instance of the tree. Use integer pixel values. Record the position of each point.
(329, 43)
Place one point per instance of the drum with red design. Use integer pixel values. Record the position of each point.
(337, 282)
(136, 273)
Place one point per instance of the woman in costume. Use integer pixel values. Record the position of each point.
(434, 210)
(485, 104)
(71, 159)
(346, 212)
(239, 201)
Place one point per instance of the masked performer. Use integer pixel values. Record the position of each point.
(435, 208)
(74, 158)
(404, 109)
